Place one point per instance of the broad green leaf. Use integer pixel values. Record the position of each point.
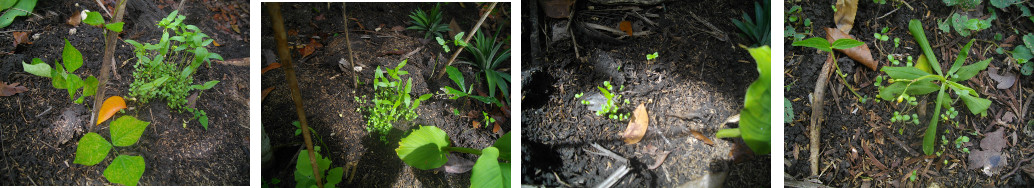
(22, 8)
(456, 76)
(815, 42)
(846, 43)
(503, 144)
(116, 27)
(92, 149)
(486, 171)
(969, 71)
(787, 111)
(303, 167)
(5, 4)
(38, 68)
(334, 177)
(976, 105)
(90, 86)
(910, 73)
(440, 41)
(1021, 53)
(71, 57)
(126, 130)
(125, 170)
(454, 93)
(204, 121)
(1028, 40)
(1027, 69)
(923, 65)
(424, 148)
(94, 18)
(754, 124)
(1002, 4)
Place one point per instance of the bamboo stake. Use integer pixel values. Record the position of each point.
(467, 39)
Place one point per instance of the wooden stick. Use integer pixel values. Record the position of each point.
(285, 58)
(348, 42)
(106, 63)
(816, 114)
(467, 39)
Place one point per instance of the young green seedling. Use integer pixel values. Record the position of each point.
(911, 81)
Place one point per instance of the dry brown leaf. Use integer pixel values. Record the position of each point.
(21, 38)
(701, 137)
(862, 54)
(236, 62)
(637, 125)
(557, 8)
(658, 158)
(476, 124)
(292, 32)
(626, 26)
(75, 19)
(844, 17)
(496, 128)
(310, 48)
(216, 43)
(8, 90)
(454, 28)
(270, 67)
(266, 92)
(740, 152)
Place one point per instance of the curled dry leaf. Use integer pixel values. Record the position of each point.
(626, 26)
(310, 48)
(111, 105)
(845, 14)
(1005, 81)
(658, 159)
(270, 67)
(21, 38)
(496, 128)
(75, 20)
(266, 92)
(637, 125)
(8, 90)
(701, 137)
(862, 54)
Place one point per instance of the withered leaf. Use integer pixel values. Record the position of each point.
(844, 17)
(626, 26)
(701, 137)
(8, 90)
(637, 125)
(271, 66)
(75, 20)
(21, 38)
(862, 54)
(310, 48)
(1005, 81)
(989, 157)
(266, 92)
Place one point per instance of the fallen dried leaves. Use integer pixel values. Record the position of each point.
(8, 90)
(637, 125)
(862, 54)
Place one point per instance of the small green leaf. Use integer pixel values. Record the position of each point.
(424, 148)
(116, 27)
(503, 144)
(815, 42)
(126, 130)
(456, 76)
(72, 84)
(92, 149)
(38, 68)
(334, 177)
(849, 43)
(125, 170)
(94, 18)
(207, 85)
(71, 57)
(90, 86)
(975, 105)
(969, 71)
(910, 73)
(204, 121)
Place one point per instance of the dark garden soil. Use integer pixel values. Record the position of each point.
(697, 82)
(860, 147)
(329, 92)
(34, 154)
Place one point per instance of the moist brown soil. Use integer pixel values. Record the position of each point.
(174, 154)
(328, 92)
(852, 130)
(697, 82)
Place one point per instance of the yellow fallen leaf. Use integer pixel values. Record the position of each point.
(111, 105)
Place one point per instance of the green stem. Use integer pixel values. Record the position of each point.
(463, 150)
(841, 77)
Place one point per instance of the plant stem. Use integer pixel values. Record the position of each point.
(106, 63)
(840, 76)
(463, 150)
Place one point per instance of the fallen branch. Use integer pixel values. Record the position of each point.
(817, 105)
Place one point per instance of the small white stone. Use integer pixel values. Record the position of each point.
(82, 14)
(358, 69)
(71, 31)
(36, 36)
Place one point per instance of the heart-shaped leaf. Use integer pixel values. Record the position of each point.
(92, 149)
(487, 171)
(126, 130)
(424, 148)
(125, 170)
(111, 105)
(71, 57)
(38, 68)
(94, 18)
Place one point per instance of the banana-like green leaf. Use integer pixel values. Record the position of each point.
(487, 171)
(756, 113)
(969, 71)
(815, 42)
(503, 144)
(910, 73)
(424, 148)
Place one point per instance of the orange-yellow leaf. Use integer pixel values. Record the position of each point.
(701, 137)
(266, 92)
(216, 43)
(476, 124)
(636, 125)
(496, 128)
(110, 107)
(626, 26)
(271, 66)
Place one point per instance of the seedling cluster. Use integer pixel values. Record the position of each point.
(391, 102)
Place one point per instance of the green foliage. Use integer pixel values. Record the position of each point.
(488, 59)
(755, 115)
(427, 147)
(458, 41)
(910, 81)
(487, 119)
(1024, 53)
(430, 22)
(165, 70)
(303, 176)
(14, 9)
(95, 19)
(125, 169)
(882, 2)
(652, 56)
(756, 29)
(463, 91)
(963, 4)
(392, 101)
(62, 77)
(611, 106)
(964, 25)
(793, 18)
(882, 35)
(824, 45)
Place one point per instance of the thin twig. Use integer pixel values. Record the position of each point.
(1018, 166)
(888, 13)
(817, 113)
(101, 4)
(348, 42)
(467, 39)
